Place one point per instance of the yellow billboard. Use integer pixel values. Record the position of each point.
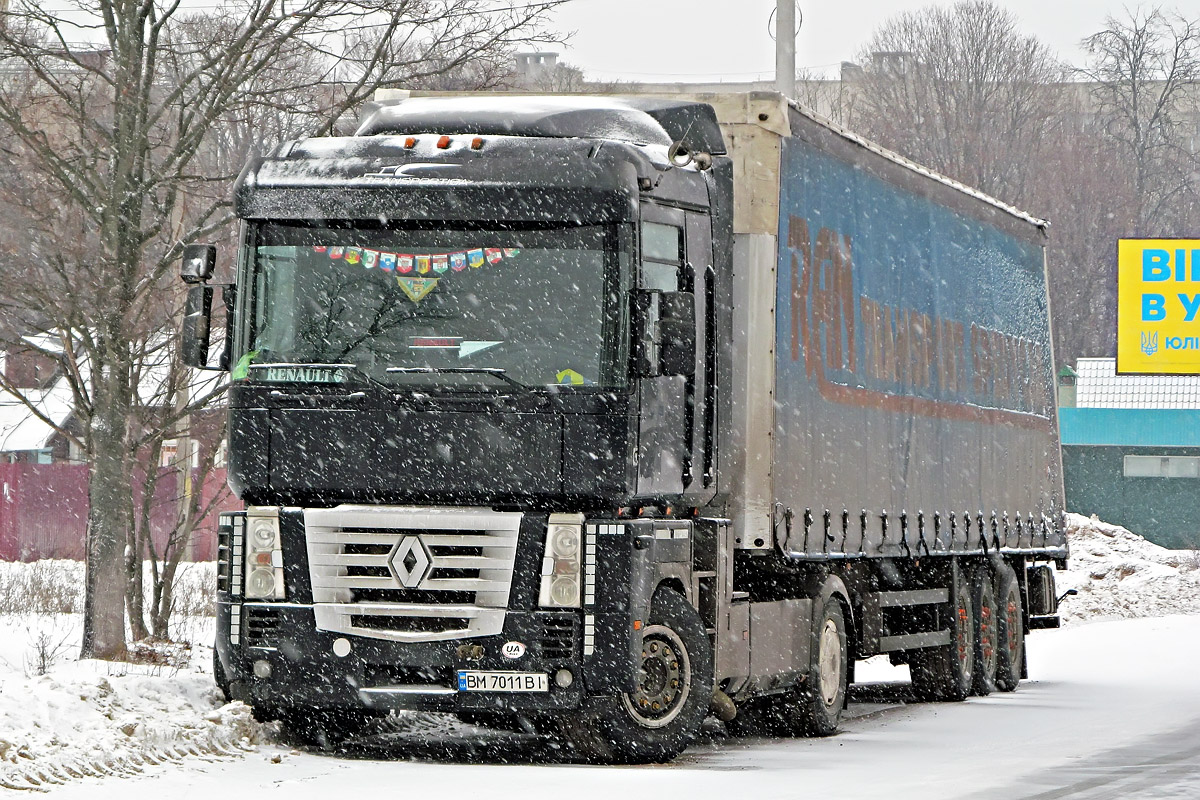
(1158, 306)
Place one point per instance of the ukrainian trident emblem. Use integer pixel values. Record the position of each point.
(1149, 343)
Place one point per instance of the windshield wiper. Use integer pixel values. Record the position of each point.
(494, 372)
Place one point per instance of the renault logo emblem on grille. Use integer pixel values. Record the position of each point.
(409, 561)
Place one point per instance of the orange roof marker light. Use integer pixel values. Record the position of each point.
(477, 143)
(443, 142)
(410, 142)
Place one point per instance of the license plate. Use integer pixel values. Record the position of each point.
(472, 681)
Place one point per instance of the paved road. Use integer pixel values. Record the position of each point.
(1113, 711)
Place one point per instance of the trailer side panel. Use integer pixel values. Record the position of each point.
(914, 374)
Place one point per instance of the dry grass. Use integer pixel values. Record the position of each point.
(41, 587)
(56, 587)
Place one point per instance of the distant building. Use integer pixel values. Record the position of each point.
(532, 66)
(44, 473)
(1131, 449)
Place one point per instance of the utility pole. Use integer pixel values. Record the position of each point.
(785, 47)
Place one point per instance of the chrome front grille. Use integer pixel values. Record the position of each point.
(411, 574)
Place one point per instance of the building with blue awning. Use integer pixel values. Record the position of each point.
(1131, 450)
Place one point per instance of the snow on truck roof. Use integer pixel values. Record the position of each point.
(652, 119)
(644, 120)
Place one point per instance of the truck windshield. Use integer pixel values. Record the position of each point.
(495, 306)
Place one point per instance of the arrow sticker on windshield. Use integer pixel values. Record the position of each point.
(467, 348)
(416, 288)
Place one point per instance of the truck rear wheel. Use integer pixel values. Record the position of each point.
(1010, 630)
(823, 693)
(947, 672)
(983, 597)
(659, 719)
(814, 707)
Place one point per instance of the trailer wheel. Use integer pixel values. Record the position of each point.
(659, 719)
(1010, 630)
(986, 641)
(946, 672)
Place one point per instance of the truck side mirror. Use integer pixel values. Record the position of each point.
(664, 326)
(197, 317)
(199, 261)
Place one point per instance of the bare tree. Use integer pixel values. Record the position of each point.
(1145, 80)
(105, 137)
(962, 90)
(1085, 191)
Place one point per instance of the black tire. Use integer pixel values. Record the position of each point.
(986, 643)
(220, 677)
(814, 707)
(1010, 630)
(946, 672)
(658, 721)
(822, 696)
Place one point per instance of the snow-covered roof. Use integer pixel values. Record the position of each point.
(21, 429)
(1099, 386)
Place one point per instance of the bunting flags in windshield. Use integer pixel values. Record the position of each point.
(418, 273)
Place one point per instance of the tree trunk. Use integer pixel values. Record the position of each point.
(109, 518)
(134, 591)
(164, 597)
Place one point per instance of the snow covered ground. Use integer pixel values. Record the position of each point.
(96, 729)
(62, 719)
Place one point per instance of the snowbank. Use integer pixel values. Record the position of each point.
(1120, 575)
(63, 719)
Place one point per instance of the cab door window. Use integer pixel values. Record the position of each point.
(662, 256)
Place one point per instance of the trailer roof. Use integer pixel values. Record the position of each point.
(896, 158)
(646, 118)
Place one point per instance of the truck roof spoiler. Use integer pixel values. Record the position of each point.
(640, 120)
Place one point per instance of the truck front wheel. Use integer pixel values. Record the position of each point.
(659, 718)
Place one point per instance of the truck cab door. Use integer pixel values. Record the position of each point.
(671, 443)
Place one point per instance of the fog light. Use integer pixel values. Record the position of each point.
(341, 647)
(261, 583)
(262, 669)
(564, 591)
(564, 678)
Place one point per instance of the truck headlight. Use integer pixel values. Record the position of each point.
(560, 565)
(264, 555)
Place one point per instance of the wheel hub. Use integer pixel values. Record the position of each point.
(663, 678)
(1012, 613)
(963, 633)
(830, 663)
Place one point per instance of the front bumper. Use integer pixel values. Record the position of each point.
(306, 671)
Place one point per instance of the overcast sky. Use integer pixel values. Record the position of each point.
(709, 40)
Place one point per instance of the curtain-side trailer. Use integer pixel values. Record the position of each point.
(598, 414)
